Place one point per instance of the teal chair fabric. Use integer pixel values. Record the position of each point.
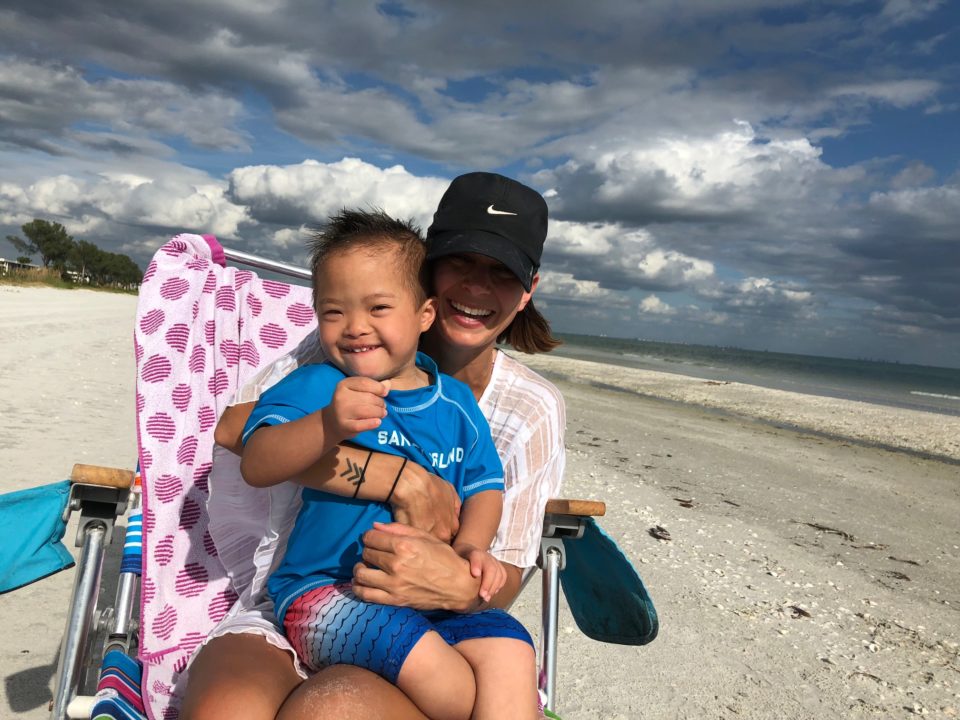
(33, 527)
(606, 596)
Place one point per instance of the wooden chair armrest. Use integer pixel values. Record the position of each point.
(581, 508)
(102, 476)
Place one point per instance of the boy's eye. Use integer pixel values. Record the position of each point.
(380, 308)
(330, 313)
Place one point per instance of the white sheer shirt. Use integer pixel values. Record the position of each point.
(527, 420)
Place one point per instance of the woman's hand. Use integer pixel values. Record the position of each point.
(404, 566)
(426, 502)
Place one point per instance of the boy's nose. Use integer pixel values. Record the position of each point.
(356, 325)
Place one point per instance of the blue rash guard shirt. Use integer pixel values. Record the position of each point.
(438, 426)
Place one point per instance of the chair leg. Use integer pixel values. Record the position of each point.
(82, 605)
(552, 563)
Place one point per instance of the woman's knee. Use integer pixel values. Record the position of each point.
(238, 676)
(345, 692)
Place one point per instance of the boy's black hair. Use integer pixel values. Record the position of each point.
(373, 230)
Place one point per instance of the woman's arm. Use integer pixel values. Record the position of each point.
(406, 567)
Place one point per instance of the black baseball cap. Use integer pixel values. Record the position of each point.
(491, 215)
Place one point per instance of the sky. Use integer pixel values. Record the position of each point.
(765, 174)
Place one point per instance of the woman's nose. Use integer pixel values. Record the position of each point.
(477, 279)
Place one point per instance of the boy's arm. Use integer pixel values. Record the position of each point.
(229, 430)
(479, 520)
(273, 453)
(419, 498)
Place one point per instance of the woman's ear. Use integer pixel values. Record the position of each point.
(428, 313)
(525, 298)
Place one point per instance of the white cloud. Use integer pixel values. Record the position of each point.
(767, 297)
(45, 101)
(290, 239)
(898, 12)
(670, 165)
(564, 285)
(655, 306)
(93, 205)
(899, 93)
(666, 177)
(311, 190)
(621, 258)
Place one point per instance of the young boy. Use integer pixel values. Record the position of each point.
(377, 391)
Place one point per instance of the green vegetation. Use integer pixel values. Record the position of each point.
(68, 262)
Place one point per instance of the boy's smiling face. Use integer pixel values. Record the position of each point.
(369, 318)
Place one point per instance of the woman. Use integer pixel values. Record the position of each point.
(483, 251)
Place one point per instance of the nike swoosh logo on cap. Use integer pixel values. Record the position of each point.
(491, 211)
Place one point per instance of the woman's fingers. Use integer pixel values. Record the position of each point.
(380, 530)
(371, 595)
(382, 559)
(369, 576)
(426, 501)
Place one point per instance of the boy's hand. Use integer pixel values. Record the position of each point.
(357, 405)
(485, 566)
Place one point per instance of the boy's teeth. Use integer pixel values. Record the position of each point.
(472, 312)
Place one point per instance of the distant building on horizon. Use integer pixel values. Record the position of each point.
(8, 266)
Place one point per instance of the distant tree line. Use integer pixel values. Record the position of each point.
(77, 259)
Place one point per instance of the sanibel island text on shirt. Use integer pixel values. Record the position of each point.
(438, 459)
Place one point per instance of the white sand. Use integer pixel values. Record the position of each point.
(762, 535)
(66, 395)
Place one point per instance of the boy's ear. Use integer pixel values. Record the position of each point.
(428, 313)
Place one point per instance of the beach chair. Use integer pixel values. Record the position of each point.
(203, 330)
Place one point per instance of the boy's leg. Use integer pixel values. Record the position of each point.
(331, 626)
(439, 680)
(500, 651)
(506, 675)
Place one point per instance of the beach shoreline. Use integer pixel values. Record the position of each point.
(806, 576)
(926, 434)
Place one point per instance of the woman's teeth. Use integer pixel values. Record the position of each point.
(472, 312)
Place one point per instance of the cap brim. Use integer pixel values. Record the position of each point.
(483, 243)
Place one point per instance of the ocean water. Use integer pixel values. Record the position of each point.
(917, 387)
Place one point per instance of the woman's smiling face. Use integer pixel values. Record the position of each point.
(477, 299)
